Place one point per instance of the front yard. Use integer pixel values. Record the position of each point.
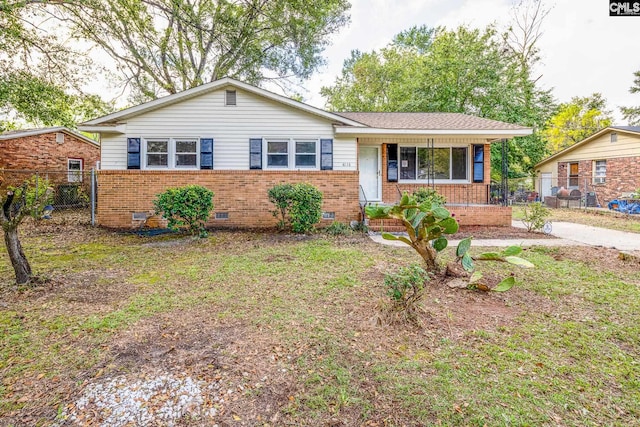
(264, 329)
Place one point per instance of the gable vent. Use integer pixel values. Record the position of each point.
(230, 97)
(60, 138)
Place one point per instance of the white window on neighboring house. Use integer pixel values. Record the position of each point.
(74, 168)
(599, 171)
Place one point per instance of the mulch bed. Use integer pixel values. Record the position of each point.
(507, 233)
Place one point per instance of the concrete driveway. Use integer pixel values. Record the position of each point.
(594, 236)
(568, 233)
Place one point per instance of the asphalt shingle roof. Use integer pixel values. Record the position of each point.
(430, 121)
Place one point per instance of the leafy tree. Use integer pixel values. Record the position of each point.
(166, 46)
(15, 206)
(31, 99)
(463, 70)
(632, 114)
(576, 120)
(40, 76)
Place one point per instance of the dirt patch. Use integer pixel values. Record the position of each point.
(506, 233)
(249, 371)
(600, 259)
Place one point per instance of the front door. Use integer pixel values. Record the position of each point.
(370, 174)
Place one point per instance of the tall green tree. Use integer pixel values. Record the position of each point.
(576, 120)
(166, 46)
(41, 76)
(463, 70)
(29, 99)
(632, 114)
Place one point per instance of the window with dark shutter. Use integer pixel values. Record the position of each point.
(206, 153)
(326, 154)
(478, 163)
(133, 153)
(255, 153)
(392, 162)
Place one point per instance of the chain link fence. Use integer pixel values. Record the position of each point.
(71, 199)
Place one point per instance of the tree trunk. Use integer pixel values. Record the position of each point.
(428, 254)
(18, 259)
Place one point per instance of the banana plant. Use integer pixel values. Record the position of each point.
(426, 225)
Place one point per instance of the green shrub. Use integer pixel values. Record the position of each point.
(186, 207)
(281, 195)
(534, 216)
(338, 229)
(38, 194)
(424, 194)
(299, 205)
(406, 290)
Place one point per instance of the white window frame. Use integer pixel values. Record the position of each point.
(175, 153)
(76, 175)
(291, 153)
(171, 154)
(316, 153)
(469, 164)
(599, 178)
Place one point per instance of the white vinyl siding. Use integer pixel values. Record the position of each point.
(231, 128)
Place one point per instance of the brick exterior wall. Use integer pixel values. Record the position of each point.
(455, 193)
(490, 215)
(623, 176)
(43, 153)
(242, 194)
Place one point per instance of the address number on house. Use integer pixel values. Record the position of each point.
(346, 164)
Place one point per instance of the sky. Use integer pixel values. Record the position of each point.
(583, 49)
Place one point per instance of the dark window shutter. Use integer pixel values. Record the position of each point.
(478, 163)
(206, 153)
(326, 154)
(133, 153)
(392, 162)
(255, 153)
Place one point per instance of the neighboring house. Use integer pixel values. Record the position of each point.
(60, 151)
(607, 163)
(240, 140)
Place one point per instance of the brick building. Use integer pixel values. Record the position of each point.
(240, 140)
(55, 149)
(606, 164)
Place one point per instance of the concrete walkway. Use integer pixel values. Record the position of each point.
(568, 233)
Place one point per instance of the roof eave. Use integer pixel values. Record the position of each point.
(116, 128)
(62, 129)
(480, 133)
(581, 143)
(209, 87)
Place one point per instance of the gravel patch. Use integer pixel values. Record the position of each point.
(161, 399)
